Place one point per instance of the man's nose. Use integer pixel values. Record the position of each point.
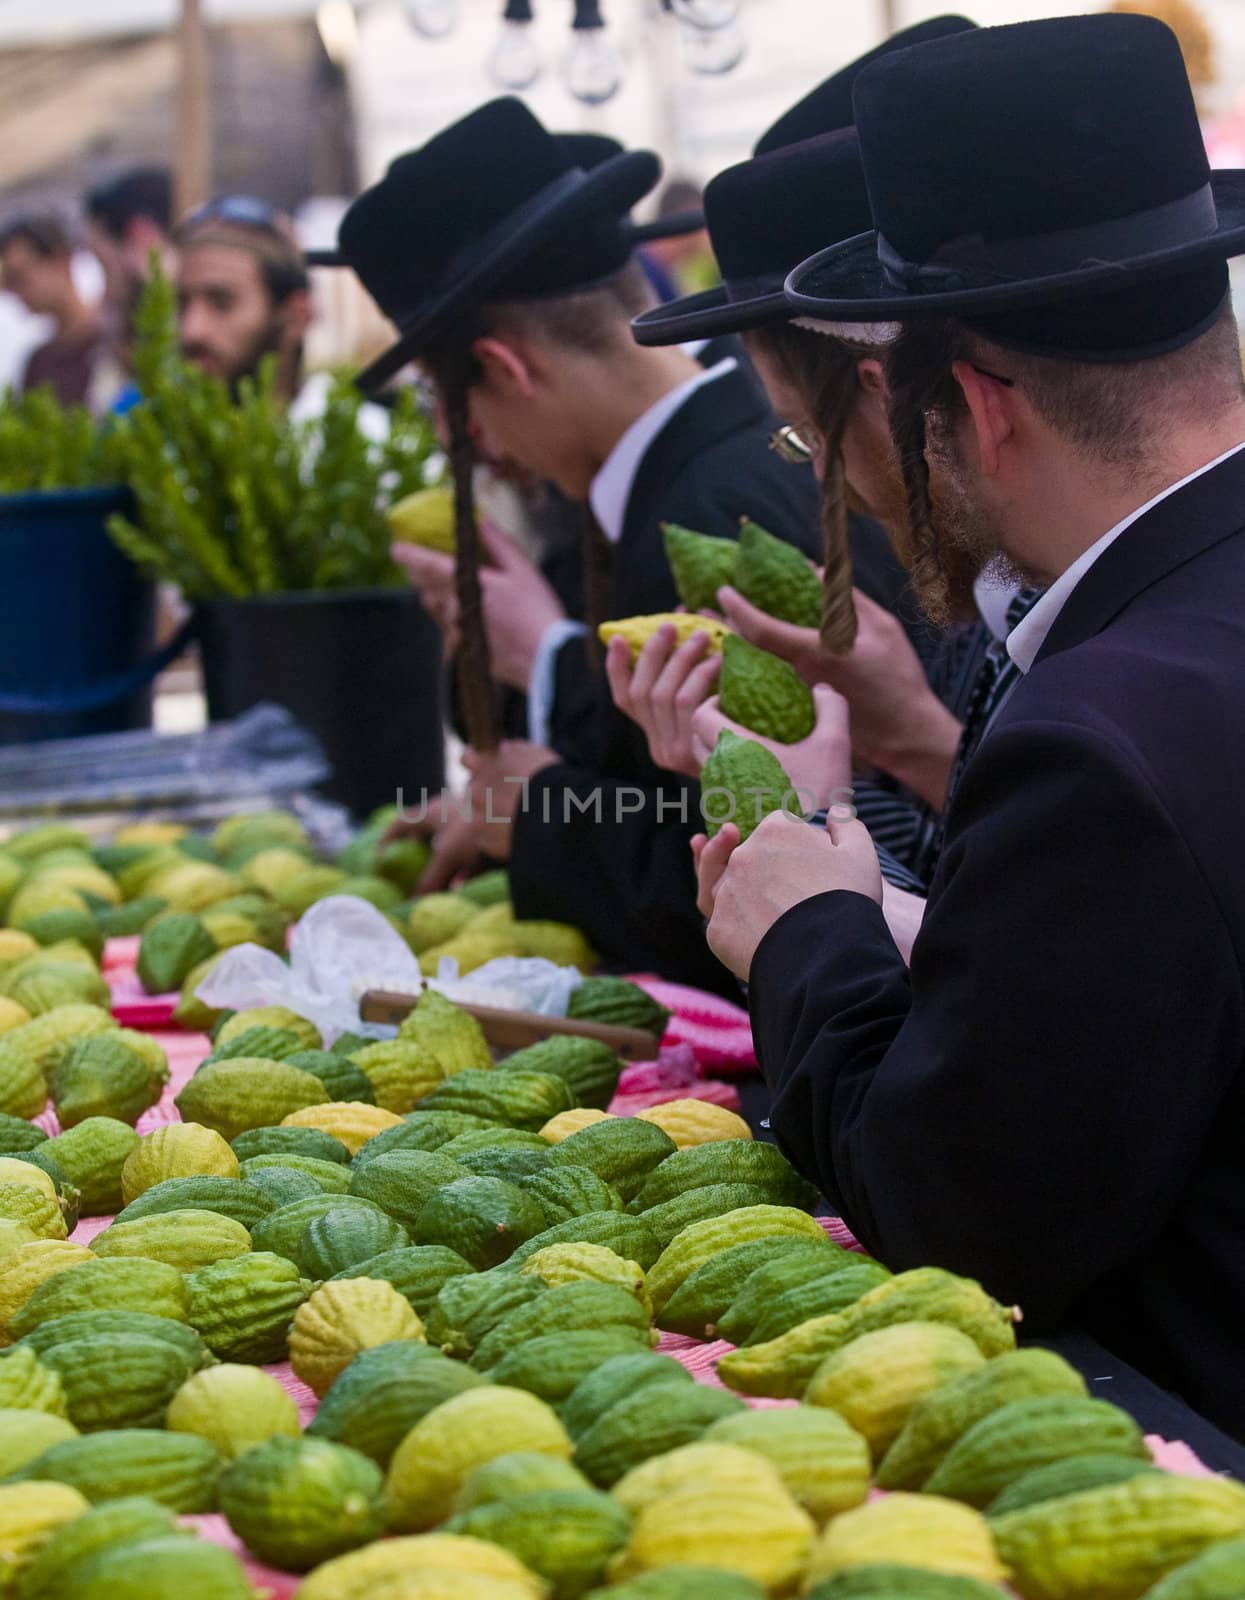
(192, 325)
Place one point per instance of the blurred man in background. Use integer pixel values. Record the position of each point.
(127, 218)
(36, 261)
(685, 259)
(242, 292)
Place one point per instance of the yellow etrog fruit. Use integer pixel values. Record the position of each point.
(436, 918)
(340, 1319)
(573, 1261)
(914, 1530)
(448, 1032)
(874, 1381)
(637, 631)
(554, 941)
(568, 1122)
(435, 1459)
(30, 1514)
(11, 1014)
(176, 1150)
(425, 518)
(14, 945)
(350, 1121)
(692, 1122)
(427, 1567)
(728, 1467)
(151, 833)
(470, 949)
(761, 1534)
(22, 1272)
(234, 1407)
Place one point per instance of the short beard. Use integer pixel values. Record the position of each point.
(962, 542)
(267, 343)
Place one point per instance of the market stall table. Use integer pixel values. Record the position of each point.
(705, 1035)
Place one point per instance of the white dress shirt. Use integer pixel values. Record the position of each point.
(608, 495)
(1029, 635)
(611, 488)
(992, 599)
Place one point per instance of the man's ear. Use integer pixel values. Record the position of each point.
(295, 314)
(871, 376)
(990, 412)
(503, 367)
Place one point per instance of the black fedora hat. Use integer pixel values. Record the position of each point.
(762, 216)
(829, 105)
(589, 150)
(1013, 167)
(491, 206)
(586, 150)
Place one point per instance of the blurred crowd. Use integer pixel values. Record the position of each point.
(69, 290)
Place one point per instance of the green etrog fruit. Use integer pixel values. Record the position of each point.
(741, 783)
(777, 578)
(701, 565)
(764, 693)
(297, 1502)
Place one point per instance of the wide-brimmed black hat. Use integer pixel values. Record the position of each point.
(490, 207)
(589, 150)
(1013, 167)
(586, 150)
(829, 105)
(762, 216)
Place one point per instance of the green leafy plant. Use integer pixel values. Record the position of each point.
(46, 446)
(234, 499)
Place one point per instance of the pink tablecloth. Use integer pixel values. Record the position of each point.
(705, 1035)
(718, 1034)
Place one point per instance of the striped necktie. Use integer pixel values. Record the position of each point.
(996, 678)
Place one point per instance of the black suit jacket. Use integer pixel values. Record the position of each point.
(1052, 1099)
(559, 527)
(626, 879)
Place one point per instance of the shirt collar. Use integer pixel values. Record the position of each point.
(1029, 635)
(993, 600)
(611, 488)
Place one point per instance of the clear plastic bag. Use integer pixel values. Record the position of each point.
(340, 949)
(511, 983)
(343, 947)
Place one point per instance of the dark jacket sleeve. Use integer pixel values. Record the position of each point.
(613, 856)
(643, 583)
(1025, 1104)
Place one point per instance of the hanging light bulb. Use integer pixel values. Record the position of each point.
(593, 65)
(339, 31)
(706, 13)
(432, 18)
(514, 62)
(713, 51)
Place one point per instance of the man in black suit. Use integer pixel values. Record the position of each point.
(509, 271)
(1052, 1100)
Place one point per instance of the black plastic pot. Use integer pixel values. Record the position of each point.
(77, 623)
(361, 668)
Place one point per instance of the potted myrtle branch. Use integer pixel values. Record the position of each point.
(77, 622)
(276, 533)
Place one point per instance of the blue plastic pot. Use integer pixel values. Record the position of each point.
(77, 622)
